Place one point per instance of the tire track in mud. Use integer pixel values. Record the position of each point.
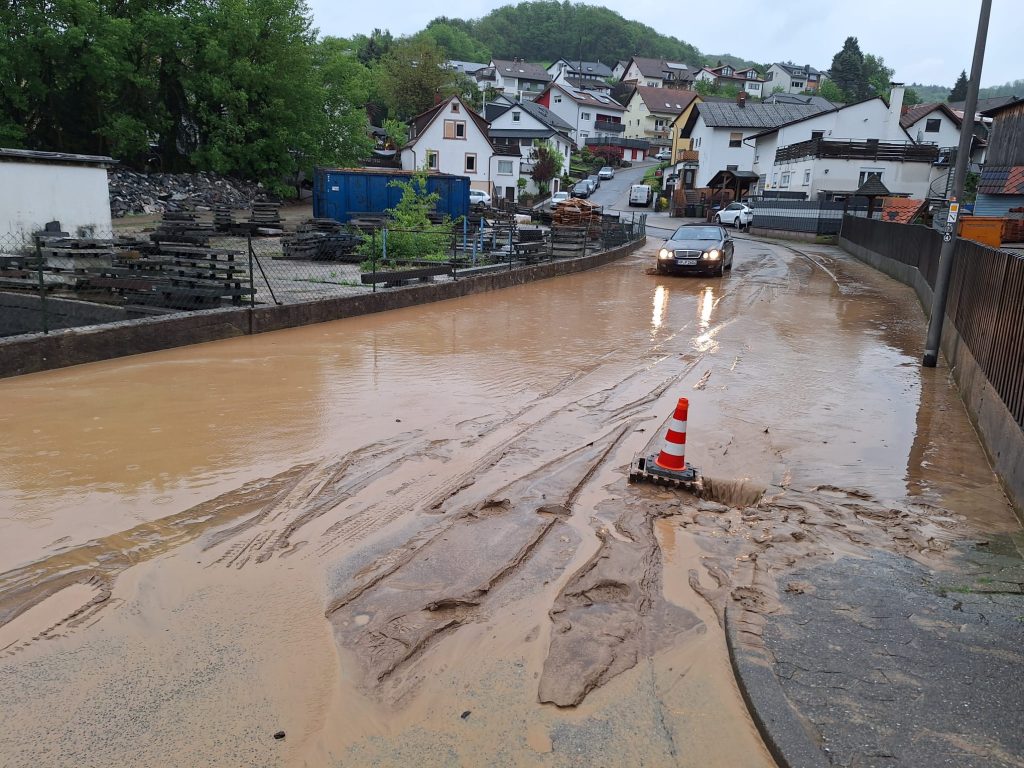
(452, 576)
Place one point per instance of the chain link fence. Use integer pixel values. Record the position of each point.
(52, 280)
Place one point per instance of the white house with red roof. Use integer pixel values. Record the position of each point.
(590, 113)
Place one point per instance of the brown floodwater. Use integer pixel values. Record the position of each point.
(408, 538)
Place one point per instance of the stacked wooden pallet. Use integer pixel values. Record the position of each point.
(576, 213)
(567, 242)
(180, 227)
(265, 214)
(223, 220)
(320, 246)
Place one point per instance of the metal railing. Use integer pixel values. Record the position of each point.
(851, 149)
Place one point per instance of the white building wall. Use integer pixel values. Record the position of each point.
(715, 154)
(32, 194)
(948, 134)
(452, 152)
(827, 175)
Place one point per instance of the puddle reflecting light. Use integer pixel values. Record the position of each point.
(707, 303)
(660, 300)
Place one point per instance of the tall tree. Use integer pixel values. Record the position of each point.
(876, 77)
(412, 75)
(959, 92)
(847, 70)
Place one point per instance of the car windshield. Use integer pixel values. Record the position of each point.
(697, 233)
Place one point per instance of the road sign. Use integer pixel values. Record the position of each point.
(954, 209)
(947, 237)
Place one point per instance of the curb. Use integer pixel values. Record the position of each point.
(781, 728)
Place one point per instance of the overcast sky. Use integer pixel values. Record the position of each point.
(925, 41)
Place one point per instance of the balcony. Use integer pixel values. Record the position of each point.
(656, 134)
(850, 149)
(687, 156)
(606, 126)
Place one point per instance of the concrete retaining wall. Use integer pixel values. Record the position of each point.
(40, 352)
(1001, 436)
(22, 313)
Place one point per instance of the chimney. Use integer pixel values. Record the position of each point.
(896, 101)
(741, 98)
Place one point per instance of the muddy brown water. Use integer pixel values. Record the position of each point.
(408, 538)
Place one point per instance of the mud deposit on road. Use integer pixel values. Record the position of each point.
(409, 539)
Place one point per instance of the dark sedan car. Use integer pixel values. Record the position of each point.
(697, 248)
(582, 189)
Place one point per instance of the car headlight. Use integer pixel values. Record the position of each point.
(664, 253)
(712, 254)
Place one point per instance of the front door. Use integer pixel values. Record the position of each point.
(510, 194)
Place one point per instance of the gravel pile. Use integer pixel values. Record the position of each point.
(132, 192)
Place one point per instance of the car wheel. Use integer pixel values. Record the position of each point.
(720, 272)
(738, 222)
(718, 219)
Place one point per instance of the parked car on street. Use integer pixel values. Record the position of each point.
(738, 215)
(606, 173)
(582, 189)
(664, 154)
(558, 197)
(697, 248)
(595, 181)
(640, 194)
(479, 197)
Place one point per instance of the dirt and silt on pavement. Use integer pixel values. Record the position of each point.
(408, 538)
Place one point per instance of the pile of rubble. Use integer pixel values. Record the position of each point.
(132, 192)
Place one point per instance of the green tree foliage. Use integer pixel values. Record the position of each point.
(847, 70)
(397, 132)
(455, 41)
(236, 86)
(411, 75)
(831, 91)
(544, 30)
(911, 97)
(373, 48)
(411, 234)
(876, 76)
(959, 92)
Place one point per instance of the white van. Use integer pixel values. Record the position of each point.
(640, 194)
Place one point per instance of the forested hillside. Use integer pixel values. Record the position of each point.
(931, 93)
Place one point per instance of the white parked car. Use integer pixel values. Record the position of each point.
(738, 215)
(479, 197)
(558, 197)
(665, 154)
(606, 173)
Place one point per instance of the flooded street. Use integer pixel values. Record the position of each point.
(408, 538)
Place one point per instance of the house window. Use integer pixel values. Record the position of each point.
(470, 163)
(505, 167)
(807, 178)
(558, 99)
(584, 115)
(785, 180)
(516, 116)
(455, 129)
(736, 139)
(432, 159)
(817, 135)
(775, 179)
(455, 106)
(583, 134)
(932, 125)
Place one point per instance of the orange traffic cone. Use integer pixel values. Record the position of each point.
(673, 453)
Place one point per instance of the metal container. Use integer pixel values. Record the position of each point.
(341, 193)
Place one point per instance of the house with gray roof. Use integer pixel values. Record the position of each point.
(658, 73)
(787, 77)
(520, 124)
(718, 132)
(519, 79)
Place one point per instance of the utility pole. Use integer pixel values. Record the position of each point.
(963, 160)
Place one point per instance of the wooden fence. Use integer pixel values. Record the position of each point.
(986, 296)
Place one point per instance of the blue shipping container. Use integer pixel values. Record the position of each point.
(340, 193)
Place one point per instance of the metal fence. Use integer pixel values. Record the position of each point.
(53, 281)
(986, 296)
(810, 216)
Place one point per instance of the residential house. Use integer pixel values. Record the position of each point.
(657, 73)
(452, 138)
(832, 153)
(718, 132)
(582, 75)
(748, 80)
(519, 79)
(792, 78)
(799, 98)
(1001, 187)
(590, 113)
(467, 68)
(619, 69)
(521, 125)
(650, 113)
